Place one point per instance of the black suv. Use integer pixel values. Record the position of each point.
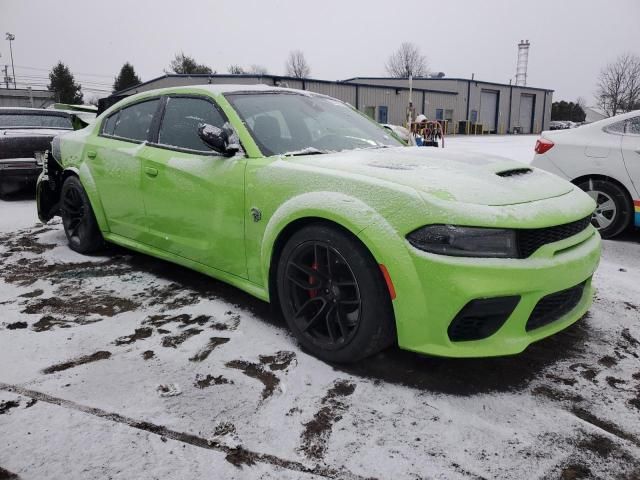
(25, 134)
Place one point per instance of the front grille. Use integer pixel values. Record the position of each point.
(554, 306)
(530, 240)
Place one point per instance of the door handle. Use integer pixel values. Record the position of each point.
(151, 172)
(91, 154)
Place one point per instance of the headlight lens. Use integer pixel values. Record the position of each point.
(465, 241)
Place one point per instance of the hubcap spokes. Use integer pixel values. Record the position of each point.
(73, 211)
(606, 209)
(323, 293)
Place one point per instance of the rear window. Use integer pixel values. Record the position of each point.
(32, 120)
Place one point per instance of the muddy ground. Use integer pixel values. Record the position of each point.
(174, 373)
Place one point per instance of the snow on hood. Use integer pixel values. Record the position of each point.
(455, 176)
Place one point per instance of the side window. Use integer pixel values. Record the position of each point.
(110, 124)
(181, 119)
(617, 127)
(633, 127)
(134, 122)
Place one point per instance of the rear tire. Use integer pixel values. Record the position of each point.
(614, 210)
(80, 225)
(333, 295)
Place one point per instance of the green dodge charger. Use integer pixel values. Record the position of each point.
(302, 201)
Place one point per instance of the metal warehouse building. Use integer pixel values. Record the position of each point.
(494, 107)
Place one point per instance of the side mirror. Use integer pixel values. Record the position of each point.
(217, 138)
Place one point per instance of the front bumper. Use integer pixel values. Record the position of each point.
(448, 284)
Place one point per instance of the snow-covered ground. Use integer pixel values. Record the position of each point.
(123, 366)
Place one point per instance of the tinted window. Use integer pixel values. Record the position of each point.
(616, 127)
(17, 120)
(110, 124)
(634, 126)
(134, 122)
(181, 119)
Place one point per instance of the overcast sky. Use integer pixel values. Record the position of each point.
(570, 40)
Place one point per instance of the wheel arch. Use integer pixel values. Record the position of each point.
(597, 176)
(621, 185)
(84, 175)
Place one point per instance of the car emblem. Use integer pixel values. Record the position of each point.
(256, 214)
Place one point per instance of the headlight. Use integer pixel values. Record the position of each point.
(465, 241)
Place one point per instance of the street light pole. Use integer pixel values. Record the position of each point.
(11, 37)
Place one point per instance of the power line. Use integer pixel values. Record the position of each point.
(75, 73)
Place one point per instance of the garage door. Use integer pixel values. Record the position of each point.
(489, 109)
(526, 113)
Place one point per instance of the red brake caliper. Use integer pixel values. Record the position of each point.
(313, 293)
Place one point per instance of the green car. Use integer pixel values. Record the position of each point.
(302, 201)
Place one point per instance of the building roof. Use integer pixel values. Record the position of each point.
(274, 78)
(349, 80)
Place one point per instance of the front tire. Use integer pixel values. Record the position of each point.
(80, 225)
(333, 295)
(614, 210)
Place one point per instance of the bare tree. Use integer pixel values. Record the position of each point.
(297, 65)
(619, 85)
(407, 61)
(236, 70)
(258, 70)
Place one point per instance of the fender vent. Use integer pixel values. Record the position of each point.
(514, 172)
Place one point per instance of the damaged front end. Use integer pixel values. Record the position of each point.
(49, 183)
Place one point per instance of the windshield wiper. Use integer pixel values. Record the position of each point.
(305, 151)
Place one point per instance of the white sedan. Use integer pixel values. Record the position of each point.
(602, 158)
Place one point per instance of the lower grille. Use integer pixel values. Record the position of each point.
(481, 318)
(554, 306)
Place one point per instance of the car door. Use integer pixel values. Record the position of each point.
(115, 162)
(193, 196)
(631, 151)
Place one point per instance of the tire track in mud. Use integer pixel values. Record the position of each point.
(318, 430)
(76, 362)
(279, 361)
(205, 351)
(238, 456)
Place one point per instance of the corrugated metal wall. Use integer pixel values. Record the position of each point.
(369, 94)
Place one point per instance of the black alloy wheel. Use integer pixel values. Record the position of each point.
(333, 295)
(79, 222)
(324, 294)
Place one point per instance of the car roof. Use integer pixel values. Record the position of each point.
(219, 89)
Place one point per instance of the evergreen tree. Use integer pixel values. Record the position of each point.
(567, 111)
(63, 85)
(185, 64)
(126, 78)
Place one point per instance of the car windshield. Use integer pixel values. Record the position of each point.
(297, 124)
(31, 120)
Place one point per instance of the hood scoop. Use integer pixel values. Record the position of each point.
(514, 172)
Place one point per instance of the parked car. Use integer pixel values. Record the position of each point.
(557, 125)
(301, 200)
(25, 133)
(602, 158)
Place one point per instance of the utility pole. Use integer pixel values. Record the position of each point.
(6, 76)
(11, 37)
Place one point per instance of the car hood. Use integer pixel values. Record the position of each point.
(466, 177)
